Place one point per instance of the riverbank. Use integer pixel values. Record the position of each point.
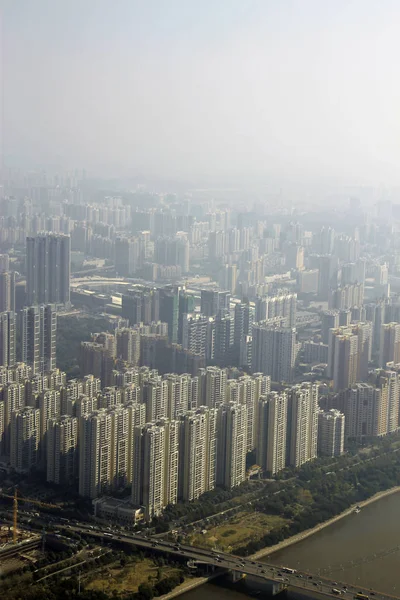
(308, 532)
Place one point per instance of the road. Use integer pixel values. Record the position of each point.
(229, 562)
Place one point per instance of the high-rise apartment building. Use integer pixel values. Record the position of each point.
(389, 344)
(104, 451)
(39, 329)
(197, 334)
(271, 307)
(329, 320)
(197, 453)
(155, 397)
(155, 466)
(365, 410)
(212, 386)
(302, 424)
(62, 450)
(271, 432)
(169, 311)
(274, 351)
(343, 358)
(7, 291)
(331, 428)
(7, 338)
(48, 265)
(213, 301)
(50, 408)
(24, 439)
(14, 400)
(128, 345)
(126, 255)
(231, 444)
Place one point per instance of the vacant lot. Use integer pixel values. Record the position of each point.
(238, 531)
(126, 579)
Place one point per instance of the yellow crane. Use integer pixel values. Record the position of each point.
(15, 508)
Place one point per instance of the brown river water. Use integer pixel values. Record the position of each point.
(363, 549)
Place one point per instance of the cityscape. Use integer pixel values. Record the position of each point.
(199, 319)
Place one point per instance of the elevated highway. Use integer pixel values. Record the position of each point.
(278, 578)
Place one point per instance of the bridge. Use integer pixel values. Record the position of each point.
(266, 576)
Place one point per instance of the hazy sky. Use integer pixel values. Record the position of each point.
(223, 89)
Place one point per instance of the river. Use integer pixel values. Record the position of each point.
(359, 549)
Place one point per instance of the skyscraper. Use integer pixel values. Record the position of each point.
(62, 453)
(39, 329)
(48, 265)
(272, 424)
(197, 453)
(274, 351)
(331, 432)
(7, 339)
(389, 344)
(25, 436)
(7, 291)
(155, 467)
(302, 429)
(231, 444)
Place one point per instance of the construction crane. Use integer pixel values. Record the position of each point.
(15, 508)
(15, 516)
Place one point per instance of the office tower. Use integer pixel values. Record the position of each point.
(197, 334)
(302, 424)
(223, 338)
(231, 444)
(24, 439)
(244, 316)
(270, 307)
(7, 291)
(7, 339)
(212, 386)
(274, 351)
(329, 320)
(390, 344)
(155, 467)
(363, 407)
(62, 450)
(169, 312)
(39, 330)
(271, 432)
(48, 264)
(331, 427)
(155, 397)
(128, 345)
(126, 256)
(214, 301)
(13, 395)
(178, 387)
(198, 453)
